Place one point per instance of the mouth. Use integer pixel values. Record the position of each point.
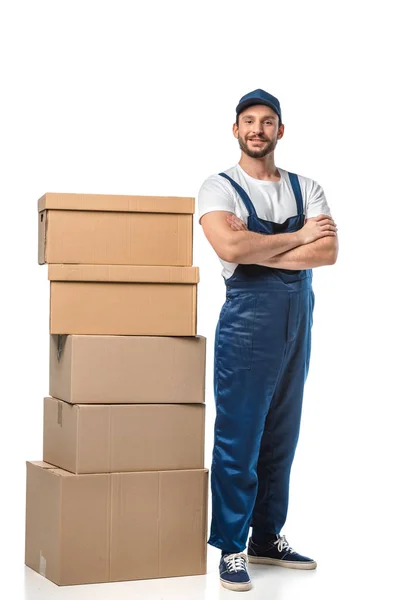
(257, 140)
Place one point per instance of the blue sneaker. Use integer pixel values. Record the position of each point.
(233, 572)
(278, 552)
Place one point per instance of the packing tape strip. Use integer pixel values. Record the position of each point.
(61, 339)
(42, 565)
(60, 413)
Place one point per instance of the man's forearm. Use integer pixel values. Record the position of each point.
(250, 248)
(317, 254)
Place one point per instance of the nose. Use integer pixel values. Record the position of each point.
(257, 128)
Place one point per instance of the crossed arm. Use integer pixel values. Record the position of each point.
(312, 246)
(320, 252)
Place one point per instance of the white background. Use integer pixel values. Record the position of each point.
(138, 98)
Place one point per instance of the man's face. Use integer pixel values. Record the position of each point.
(258, 131)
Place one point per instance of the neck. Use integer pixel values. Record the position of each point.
(260, 168)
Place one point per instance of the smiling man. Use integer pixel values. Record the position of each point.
(269, 228)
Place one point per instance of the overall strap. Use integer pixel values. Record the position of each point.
(244, 196)
(294, 180)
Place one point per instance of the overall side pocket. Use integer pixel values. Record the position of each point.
(235, 340)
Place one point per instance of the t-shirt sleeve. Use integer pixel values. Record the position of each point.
(316, 202)
(214, 194)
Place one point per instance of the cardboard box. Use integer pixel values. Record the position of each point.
(115, 527)
(123, 300)
(89, 438)
(127, 369)
(116, 230)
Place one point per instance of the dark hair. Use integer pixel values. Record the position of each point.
(237, 120)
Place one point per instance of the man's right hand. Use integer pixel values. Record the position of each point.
(317, 228)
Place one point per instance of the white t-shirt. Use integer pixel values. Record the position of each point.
(272, 200)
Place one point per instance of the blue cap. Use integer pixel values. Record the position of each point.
(259, 97)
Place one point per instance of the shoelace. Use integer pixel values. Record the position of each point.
(236, 562)
(283, 544)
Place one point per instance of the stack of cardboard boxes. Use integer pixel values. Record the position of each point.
(122, 491)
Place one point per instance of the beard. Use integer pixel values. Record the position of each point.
(270, 147)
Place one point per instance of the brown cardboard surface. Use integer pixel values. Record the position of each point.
(173, 508)
(42, 513)
(115, 229)
(127, 369)
(57, 508)
(122, 438)
(118, 238)
(114, 308)
(124, 273)
(115, 527)
(114, 202)
(42, 225)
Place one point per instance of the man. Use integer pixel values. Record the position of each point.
(269, 228)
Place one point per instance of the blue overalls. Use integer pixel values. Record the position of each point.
(261, 360)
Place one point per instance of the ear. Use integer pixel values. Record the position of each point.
(281, 131)
(235, 130)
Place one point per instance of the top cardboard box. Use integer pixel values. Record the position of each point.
(115, 230)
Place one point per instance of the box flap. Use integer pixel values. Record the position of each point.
(104, 202)
(123, 273)
(40, 464)
(43, 465)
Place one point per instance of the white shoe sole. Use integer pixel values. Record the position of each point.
(307, 566)
(236, 587)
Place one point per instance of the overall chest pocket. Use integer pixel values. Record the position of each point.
(236, 331)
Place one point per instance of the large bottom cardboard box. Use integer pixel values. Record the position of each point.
(127, 369)
(93, 438)
(123, 300)
(115, 527)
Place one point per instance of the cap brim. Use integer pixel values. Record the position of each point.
(246, 103)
